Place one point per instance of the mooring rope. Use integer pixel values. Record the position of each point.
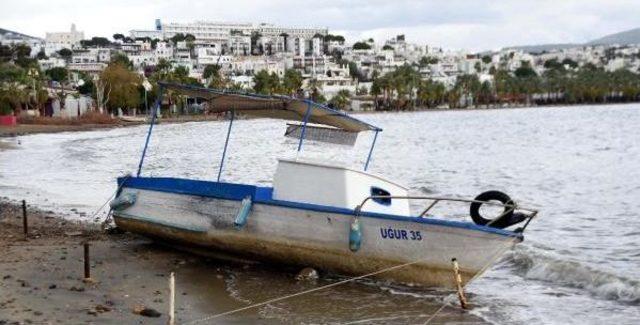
(304, 292)
(106, 220)
(494, 257)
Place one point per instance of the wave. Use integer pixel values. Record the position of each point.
(532, 263)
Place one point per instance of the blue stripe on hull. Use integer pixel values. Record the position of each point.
(264, 195)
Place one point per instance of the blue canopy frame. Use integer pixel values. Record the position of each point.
(283, 107)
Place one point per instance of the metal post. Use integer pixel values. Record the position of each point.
(375, 137)
(156, 105)
(226, 143)
(87, 267)
(25, 223)
(304, 125)
(172, 298)
(146, 103)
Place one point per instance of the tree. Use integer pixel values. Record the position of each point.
(96, 42)
(361, 46)
(330, 37)
(315, 91)
(486, 59)
(266, 83)
(58, 74)
(103, 91)
(387, 47)
(525, 70)
(211, 70)
(468, 86)
(65, 53)
(553, 64)
(340, 100)
(12, 98)
(292, 81)
(22, 56)
(431, 93)
(21, 50)
(179, 37)
(427, 60)
(122, 59)
(485, 94)
(123, 85)
(572, 64)
(215, 79)
(355, 73)
(42, 55)
(154, 43)
(255, 36)
(6, 53)
(189, 38)
(88, 87)
(118, 36)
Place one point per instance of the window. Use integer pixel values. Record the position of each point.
(376, 191)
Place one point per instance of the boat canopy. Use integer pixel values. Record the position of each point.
(272, 106)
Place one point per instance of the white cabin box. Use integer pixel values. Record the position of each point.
(340, 187)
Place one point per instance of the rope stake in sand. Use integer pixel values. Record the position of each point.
(87, 263)
(172, 298)
(25, 223)
(458, 282)
(498, 253)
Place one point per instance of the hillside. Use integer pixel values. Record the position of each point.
(631, 36)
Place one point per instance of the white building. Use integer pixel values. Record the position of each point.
(9, 38)
(59, 40)
(335, 78)
(236, 37)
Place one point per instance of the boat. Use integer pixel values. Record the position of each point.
(133, 119)
(316, 214)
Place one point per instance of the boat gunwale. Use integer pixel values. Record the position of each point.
(237, 192)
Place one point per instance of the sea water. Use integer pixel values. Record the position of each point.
(580, 166)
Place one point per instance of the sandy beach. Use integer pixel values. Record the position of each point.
(41, 278)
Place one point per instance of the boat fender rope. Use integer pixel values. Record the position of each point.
(243, 214)
(355, 235)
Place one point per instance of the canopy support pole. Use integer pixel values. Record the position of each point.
(226, 143)
(156, 107)
(304, 125)
(375, 137)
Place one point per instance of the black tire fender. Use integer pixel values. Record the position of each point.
(503, 222)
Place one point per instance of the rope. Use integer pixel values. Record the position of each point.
(494, 257)
(108, 218)
(304, 292)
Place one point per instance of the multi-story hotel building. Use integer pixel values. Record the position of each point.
(236, 38)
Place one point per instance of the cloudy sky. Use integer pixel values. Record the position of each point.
(455, 24)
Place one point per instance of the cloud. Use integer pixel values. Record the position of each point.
(473, 25)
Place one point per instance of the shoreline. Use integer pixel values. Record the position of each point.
(28, 129)
(424, 109)
(42, 277)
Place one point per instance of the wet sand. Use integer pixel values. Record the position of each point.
(25, 129)
(41, 282)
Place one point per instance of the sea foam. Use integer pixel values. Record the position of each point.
(536, 264)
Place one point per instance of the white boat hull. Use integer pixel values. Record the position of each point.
(308, 237)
